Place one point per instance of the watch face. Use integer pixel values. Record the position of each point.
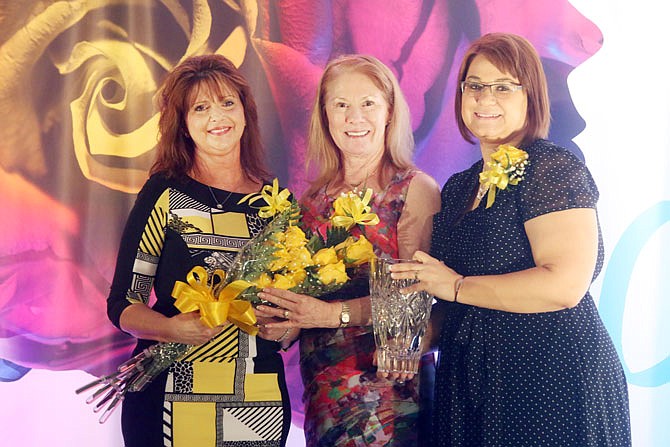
(345, 316)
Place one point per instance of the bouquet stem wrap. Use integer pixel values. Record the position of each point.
(132, 375)
(217, 304)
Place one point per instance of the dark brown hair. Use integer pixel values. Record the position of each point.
(516, 56)
(175, 155)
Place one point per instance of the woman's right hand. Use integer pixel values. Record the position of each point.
(431, 274)
(189, 329)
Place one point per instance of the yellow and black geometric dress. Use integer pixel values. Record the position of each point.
(230, 391)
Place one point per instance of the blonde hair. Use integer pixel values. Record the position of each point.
(398, 142)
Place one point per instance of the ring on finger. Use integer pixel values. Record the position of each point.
(286, 314)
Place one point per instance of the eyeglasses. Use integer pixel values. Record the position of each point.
(500, 90)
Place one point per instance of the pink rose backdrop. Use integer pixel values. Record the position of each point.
(79, 127)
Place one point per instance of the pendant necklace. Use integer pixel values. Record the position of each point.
(354, 186)
(219, 205)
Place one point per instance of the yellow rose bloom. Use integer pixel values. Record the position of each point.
(295, 237)
(359, 252)
(508, 155)
(282, 259)
(283, 282)
(297, 277)
(333, 273)
(344, 244)
(263, 281)
(342, 204)
(280, 237)
(325, 256)
(300, 258)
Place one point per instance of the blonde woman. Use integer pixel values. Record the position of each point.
(360, 137)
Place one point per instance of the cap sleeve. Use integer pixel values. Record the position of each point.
(555, 180)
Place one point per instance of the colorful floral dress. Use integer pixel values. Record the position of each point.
(230, 391)
(346, 405)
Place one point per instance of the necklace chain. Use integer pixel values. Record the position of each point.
(219, 205)
(354, 186)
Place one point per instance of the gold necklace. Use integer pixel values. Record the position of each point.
(354, 186)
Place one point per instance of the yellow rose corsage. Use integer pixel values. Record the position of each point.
(506, 167)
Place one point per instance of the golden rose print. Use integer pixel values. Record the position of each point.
(76, 96)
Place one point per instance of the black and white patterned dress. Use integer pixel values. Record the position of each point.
(229, 392)
(511, 379)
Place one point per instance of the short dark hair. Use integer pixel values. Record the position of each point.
(517, 56)
(175, 150)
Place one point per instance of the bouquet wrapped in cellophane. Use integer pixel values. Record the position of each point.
(282, 255)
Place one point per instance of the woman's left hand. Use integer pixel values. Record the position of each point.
(432, 275)
(297, 310)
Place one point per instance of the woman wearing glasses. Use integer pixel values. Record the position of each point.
(524, 356)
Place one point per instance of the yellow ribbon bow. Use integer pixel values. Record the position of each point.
(506, 167)
(277, 201)
(350, 209)
(198, 294)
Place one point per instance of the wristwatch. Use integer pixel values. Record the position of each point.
(345, 315)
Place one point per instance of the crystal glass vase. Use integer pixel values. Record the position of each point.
(399, 319)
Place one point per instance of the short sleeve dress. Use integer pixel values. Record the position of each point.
(513, 379)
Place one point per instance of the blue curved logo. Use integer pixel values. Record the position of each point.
(615, 288)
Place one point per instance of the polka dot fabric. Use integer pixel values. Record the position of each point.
(508, 379)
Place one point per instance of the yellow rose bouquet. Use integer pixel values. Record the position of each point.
(282, 255)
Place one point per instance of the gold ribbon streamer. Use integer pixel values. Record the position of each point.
(491, 196)
(505, 161)
(277, 201)
(197, 293)
(351, 210)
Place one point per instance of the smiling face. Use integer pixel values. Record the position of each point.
(357, 113)
(493, 121)
(216, 122)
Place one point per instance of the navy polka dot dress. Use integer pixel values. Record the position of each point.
(509, 379)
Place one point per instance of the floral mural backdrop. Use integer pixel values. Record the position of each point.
(77, 84)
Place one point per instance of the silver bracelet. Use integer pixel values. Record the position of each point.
(283, 336)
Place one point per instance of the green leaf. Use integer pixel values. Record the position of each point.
(336, 235)
(315, 243)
